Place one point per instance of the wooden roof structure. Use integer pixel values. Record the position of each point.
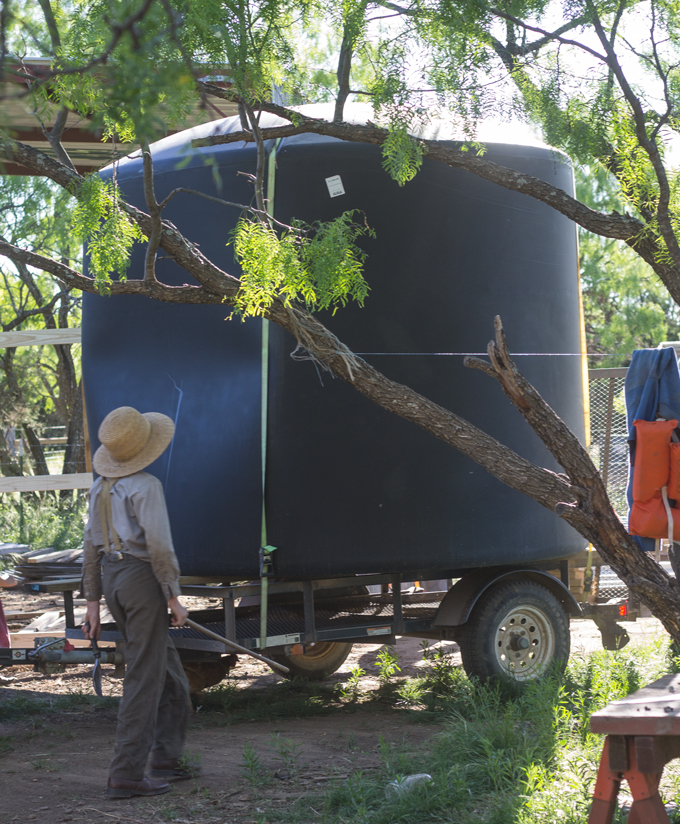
(83, 143)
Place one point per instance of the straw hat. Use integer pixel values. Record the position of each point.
(130, 441)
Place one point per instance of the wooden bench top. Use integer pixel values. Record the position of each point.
(652, 710)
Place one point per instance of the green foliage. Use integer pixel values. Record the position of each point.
(146, 81)
(6, 744)
(48, 519)
(402, 155)
(289, 753)
(252, 767)
(387, 662)
(38, 384)
(108, 232)
(625, 305)
(319, 264)
(350, 689)
(314, 75)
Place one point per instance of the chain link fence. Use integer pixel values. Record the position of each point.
(608, 433)
(609, 451)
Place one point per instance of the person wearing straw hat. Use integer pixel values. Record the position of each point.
(129, 557)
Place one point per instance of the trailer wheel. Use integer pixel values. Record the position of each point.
(320, 659)
(515, 632)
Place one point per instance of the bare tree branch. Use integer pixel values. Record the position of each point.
(343, 72)
(242, 206)
(51, 23)
(155, 216)
(591, 512)
(548, 36)
(55, 134)
(75, 280)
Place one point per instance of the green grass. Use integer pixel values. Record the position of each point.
(502, 756)
(21, 707)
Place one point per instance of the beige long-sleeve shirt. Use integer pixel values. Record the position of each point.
(140, 517)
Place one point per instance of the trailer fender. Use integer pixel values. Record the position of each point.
(460, 600)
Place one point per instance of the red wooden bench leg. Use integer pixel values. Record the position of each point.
(647, 805)
(648, 811)
(606, 790)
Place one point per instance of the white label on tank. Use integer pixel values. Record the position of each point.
(335, 187)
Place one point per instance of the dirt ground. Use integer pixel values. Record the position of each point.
(53, 768)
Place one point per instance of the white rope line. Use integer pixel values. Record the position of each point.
(512, 354)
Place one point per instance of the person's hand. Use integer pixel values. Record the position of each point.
(7, 580)
(92, 628)
(179, 613)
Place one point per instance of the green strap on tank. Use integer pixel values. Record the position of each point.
(263, 422)
(266, 563)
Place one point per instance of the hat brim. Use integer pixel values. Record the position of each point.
(162, 431)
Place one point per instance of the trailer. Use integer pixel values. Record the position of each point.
(510, 622)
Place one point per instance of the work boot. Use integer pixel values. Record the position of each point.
(174, 769)
(125, 788)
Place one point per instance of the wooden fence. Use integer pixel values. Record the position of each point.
(44, 483)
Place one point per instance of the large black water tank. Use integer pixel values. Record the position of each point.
(349, 487)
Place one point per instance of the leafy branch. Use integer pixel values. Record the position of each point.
(319, 264)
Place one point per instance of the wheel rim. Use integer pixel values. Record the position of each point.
(524, 643)
(319, 649)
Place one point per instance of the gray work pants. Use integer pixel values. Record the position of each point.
(154, 709)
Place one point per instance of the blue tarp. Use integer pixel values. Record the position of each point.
(652, 389)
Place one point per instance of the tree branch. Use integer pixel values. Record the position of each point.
(75, 280)
(54, 136)
(622, 227)
(183, 252)
(155, 217)
(343, 72)
(555, 36)
(542, 485)
(649, 145)
(591, 514)
(51, 23)
(551, 429)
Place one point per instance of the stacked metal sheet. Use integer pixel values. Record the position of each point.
(46, 564)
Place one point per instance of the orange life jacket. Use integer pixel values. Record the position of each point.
(652, 458)
(657, 465)
(648, 519)
(674, 476)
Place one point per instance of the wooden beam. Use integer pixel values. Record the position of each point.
(39, 337)
(46, 483)
(616, 372)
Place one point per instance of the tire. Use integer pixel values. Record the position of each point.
(493, 642)
(320, 659)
